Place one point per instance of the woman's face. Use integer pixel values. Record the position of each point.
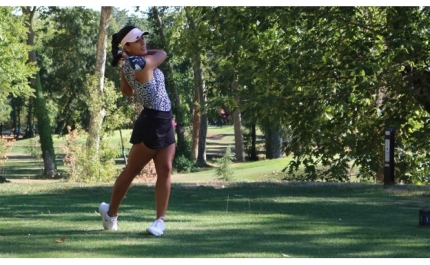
(137, 47)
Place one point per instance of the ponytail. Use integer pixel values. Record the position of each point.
(116, 53)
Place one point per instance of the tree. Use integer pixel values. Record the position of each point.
(224, 170)
(239, 149)
(191, 14)
(66, 54)
(17, 104)
(44, 127)
(98, 111)
(337, 77)
(232, 32)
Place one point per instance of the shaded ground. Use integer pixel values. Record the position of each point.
(218, 220)
(215, 137)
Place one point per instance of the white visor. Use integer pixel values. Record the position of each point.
(133, 36)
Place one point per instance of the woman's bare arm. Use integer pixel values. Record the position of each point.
(126, 89)
(153, 59)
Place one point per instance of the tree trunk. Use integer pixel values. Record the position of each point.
(17, 125)
(180, 131)
(199, 83)
(97, 116)
(45, 135)
(273, 144)
(17, 104)
(196, 125)
(32, 58)
(239, 148)
(254, 156)
(48, 165)
(30, 12)
(29, 132)
(238, 137)
(41, 112)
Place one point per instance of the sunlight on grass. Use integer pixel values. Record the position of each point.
(249, 171)
(238, 220)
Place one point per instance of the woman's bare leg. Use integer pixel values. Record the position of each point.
(163, 165)
(139, 156)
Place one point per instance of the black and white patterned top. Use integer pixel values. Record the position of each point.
(152, 94)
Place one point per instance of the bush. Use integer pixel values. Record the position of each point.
(224, 170)
(5, 148)
(148, 173)
(84, 165)
(183, 164)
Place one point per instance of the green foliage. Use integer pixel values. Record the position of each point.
(5, 148)
(5, 110)
(224, 170)
(342, 109)
(66, 64)
(84, 165)
(14, 67)
(95, 162)
(414, 150)
(182, 164)
(117, 112)
(334, 77)
(183, 161)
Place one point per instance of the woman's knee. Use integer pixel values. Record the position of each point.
(133, 170)
(164, 170)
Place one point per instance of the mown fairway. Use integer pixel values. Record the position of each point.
(257, 215)
(242, 220)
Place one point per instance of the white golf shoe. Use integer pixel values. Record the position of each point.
(109, 223)
(156, 228)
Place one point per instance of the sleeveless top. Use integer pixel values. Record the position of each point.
(152, 94)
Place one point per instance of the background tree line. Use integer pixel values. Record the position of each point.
(321, 83)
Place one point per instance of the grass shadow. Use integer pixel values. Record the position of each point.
(220, 220)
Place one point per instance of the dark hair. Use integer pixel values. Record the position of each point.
(116, 39)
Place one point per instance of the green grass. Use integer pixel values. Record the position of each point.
(265, 170)
(22, 166)
(25, 146)
(257, 215)
(239, 220)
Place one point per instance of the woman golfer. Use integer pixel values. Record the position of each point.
(153, 133)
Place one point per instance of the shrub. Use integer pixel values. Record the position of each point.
(224, 170)
(148, 173)
(84, 165)
(5, 147)
(183, 164)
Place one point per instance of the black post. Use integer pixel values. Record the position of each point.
(389, 157)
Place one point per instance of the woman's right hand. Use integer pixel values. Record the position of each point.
(124, 57)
